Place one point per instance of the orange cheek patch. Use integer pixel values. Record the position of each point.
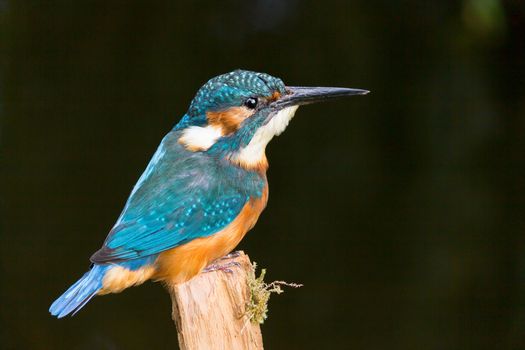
(230, 119)
(275, 96)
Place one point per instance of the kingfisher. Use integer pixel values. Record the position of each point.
(203, 189)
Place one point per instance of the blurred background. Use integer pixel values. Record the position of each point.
(401, 212)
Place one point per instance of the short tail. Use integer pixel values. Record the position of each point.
(79, 293)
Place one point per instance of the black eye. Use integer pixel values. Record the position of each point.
(251, 102)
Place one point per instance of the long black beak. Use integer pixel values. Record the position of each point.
(301, 95)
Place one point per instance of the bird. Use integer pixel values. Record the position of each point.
(203, 189)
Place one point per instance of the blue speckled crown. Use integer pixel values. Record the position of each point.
(232, 89)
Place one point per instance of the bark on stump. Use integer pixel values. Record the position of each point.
(209, 310)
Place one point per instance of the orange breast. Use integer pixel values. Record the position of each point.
(179, 264)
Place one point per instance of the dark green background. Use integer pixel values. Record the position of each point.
(402, 212)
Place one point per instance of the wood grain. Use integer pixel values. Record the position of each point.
(209, 310)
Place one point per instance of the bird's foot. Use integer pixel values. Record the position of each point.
(224, 267)
(232, 255)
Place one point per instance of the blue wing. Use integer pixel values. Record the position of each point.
(181, 196)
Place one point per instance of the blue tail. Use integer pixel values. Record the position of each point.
(79, 293)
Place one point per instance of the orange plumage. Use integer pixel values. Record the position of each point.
(179, 264)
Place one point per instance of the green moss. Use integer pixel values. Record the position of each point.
(260, 292)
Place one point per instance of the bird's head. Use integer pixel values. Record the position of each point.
(236, 114)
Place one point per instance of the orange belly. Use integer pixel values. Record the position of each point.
(180, 264)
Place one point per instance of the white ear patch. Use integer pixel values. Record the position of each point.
(253, 154)
(197, 138)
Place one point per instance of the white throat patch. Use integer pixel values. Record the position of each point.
(253, 153)
(197, 138)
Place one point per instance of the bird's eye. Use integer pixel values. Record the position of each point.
(251, 102)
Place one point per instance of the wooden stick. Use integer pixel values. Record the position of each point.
(209, 310)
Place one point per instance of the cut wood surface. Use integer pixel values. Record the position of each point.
(209, 310)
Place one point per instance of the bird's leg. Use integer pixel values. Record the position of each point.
(218, 267)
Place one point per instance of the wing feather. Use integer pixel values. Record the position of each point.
(181, 196)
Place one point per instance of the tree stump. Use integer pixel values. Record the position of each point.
(209, 310)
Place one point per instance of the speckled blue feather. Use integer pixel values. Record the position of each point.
(182, 195)
(226, 90)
